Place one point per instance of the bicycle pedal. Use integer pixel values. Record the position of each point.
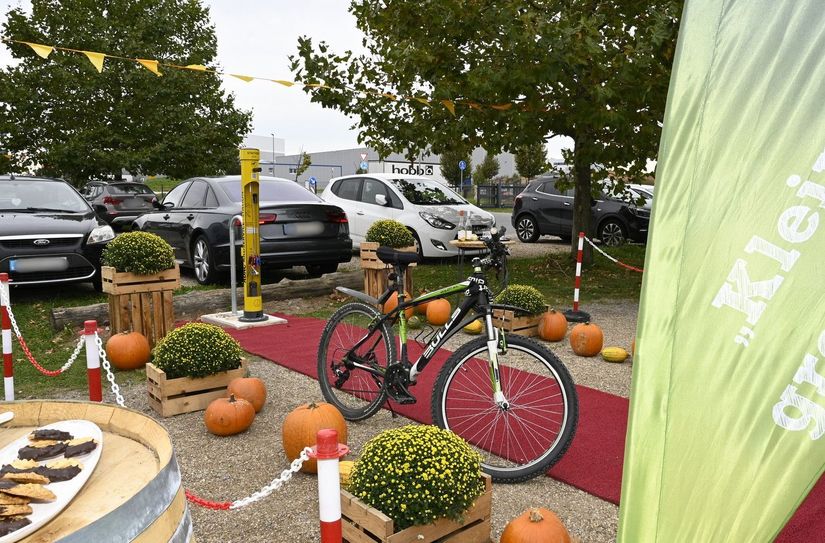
(401, 396)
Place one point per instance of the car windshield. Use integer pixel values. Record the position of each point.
(271, 190)
(423, 192)
(34, 195)
(129, 189)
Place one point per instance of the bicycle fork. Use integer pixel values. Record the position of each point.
(495, 374)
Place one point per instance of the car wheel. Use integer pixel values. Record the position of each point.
(202, 262)
(418, 248)
(318, 270)
(612, 233)
(526, 229)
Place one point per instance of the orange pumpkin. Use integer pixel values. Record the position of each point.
(128, 350)
(228, 416)
(536, 525)
(301, 426)
(422, 308)
(438, 312)
(586, 339)
(250, 389)
(552, 326)
(392, 303)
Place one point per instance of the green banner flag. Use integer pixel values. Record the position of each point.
(725, 436)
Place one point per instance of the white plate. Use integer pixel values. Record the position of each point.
(64, 491)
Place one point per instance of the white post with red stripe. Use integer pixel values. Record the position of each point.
(327, 451)
(92, 361)
(8, 368)
(575, 315)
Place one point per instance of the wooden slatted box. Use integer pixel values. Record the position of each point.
(376, 272)
(169, 397)
(525, 325)
(141, 303)
(363, 524)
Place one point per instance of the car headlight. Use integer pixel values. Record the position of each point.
(435, 221)
(101, 234)
(639, 212)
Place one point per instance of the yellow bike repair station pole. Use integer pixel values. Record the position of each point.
(250, 186)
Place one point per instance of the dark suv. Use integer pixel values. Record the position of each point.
(120, 203)
(542, 209)
(48, 232)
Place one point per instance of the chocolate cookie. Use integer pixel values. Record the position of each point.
(37, 493)
(79, 446)
(14, 510)
(12, 524)
(50, 434)
(60, 470)
(39, 450)
(19, 466)
(27, 477)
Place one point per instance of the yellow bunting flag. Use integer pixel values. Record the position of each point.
(474, 105)
(151, 65)
(196, 67)
(501, 107)
(422, 100)
(389, 95)
(317, 86)
(42, 50)
(450, 105)
(283, 82)
(243, 77)
(96, 59)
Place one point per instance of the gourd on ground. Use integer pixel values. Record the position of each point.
(392, 303)
(474, 327)
(228, 416)
(536, 525)
(552, 326)
(250, 389)
(614, 354)
(301, 426)
(586, 339)
(128, 350)
(438, 312)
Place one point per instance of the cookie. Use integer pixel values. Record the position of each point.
(35, 492)
(4, 484)
(50, 434)
(60, 470)
(8, 499)
(19, 466)
(79, 446)
(14, 510)
(40, 450)
(12, 524)
(27, 477)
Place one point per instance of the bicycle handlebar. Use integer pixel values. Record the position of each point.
(498, 251)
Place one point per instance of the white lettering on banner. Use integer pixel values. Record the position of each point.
(797, 224)
(808, 411)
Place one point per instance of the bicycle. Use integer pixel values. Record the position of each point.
(508, 396)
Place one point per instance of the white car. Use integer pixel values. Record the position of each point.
(428, 208)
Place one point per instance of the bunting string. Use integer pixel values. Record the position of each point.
(98, 59)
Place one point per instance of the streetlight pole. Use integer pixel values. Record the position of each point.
(273, 152)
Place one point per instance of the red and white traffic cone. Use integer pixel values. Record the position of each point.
(574, 315)
(327, 452)
(8, 368)
(92, 361)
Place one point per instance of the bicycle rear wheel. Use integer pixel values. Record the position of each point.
(524, 438)
(357, 393)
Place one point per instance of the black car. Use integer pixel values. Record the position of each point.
(296, 227)
(48, 232)
(543, 209)
(120, 203)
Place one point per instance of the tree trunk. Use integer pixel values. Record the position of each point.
(582, 203)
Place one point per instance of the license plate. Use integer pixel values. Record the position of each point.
(40, 264)
(303, 228)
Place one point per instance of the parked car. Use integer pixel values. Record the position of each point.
(296, 227)
(429, 209)
(120, 203)
(48, 232)
(542, 209)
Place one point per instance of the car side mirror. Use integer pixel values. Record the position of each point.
(380, 199)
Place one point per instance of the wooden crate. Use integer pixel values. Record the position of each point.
(376, 272)
(363, 524)
(187, 394)
(527, 325)
(141, 303)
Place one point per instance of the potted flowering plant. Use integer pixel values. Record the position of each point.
(418, 476)
(139, 274)
(525, 319)
(192, 366)
(384, 233)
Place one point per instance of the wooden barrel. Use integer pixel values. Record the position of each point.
(135, 493)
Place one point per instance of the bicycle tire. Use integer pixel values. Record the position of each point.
(533, 433)
(361, 394)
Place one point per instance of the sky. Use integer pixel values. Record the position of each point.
(256, 37)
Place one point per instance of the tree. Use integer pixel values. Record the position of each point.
(304, 162)
(450, 171)
(487, 170)
(61, 117)
(531, 160)
(596, 71)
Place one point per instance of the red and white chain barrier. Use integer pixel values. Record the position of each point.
(612, 259)
(89, 339)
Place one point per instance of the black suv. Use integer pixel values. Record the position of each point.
(48, 232)
(542, 209)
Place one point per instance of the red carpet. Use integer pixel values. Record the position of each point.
(594, 461)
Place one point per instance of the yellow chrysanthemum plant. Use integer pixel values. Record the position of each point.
(140, 253)
(417, 474)
(196, 349)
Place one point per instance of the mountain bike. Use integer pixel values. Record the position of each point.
(508, 396)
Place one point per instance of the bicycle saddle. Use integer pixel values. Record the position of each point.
(388, 255)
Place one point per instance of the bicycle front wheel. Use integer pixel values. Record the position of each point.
(356, 392)
(530, 428)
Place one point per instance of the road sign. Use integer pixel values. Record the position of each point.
(312, 181)
(364, 165)
(363, 156)
(462, 165)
